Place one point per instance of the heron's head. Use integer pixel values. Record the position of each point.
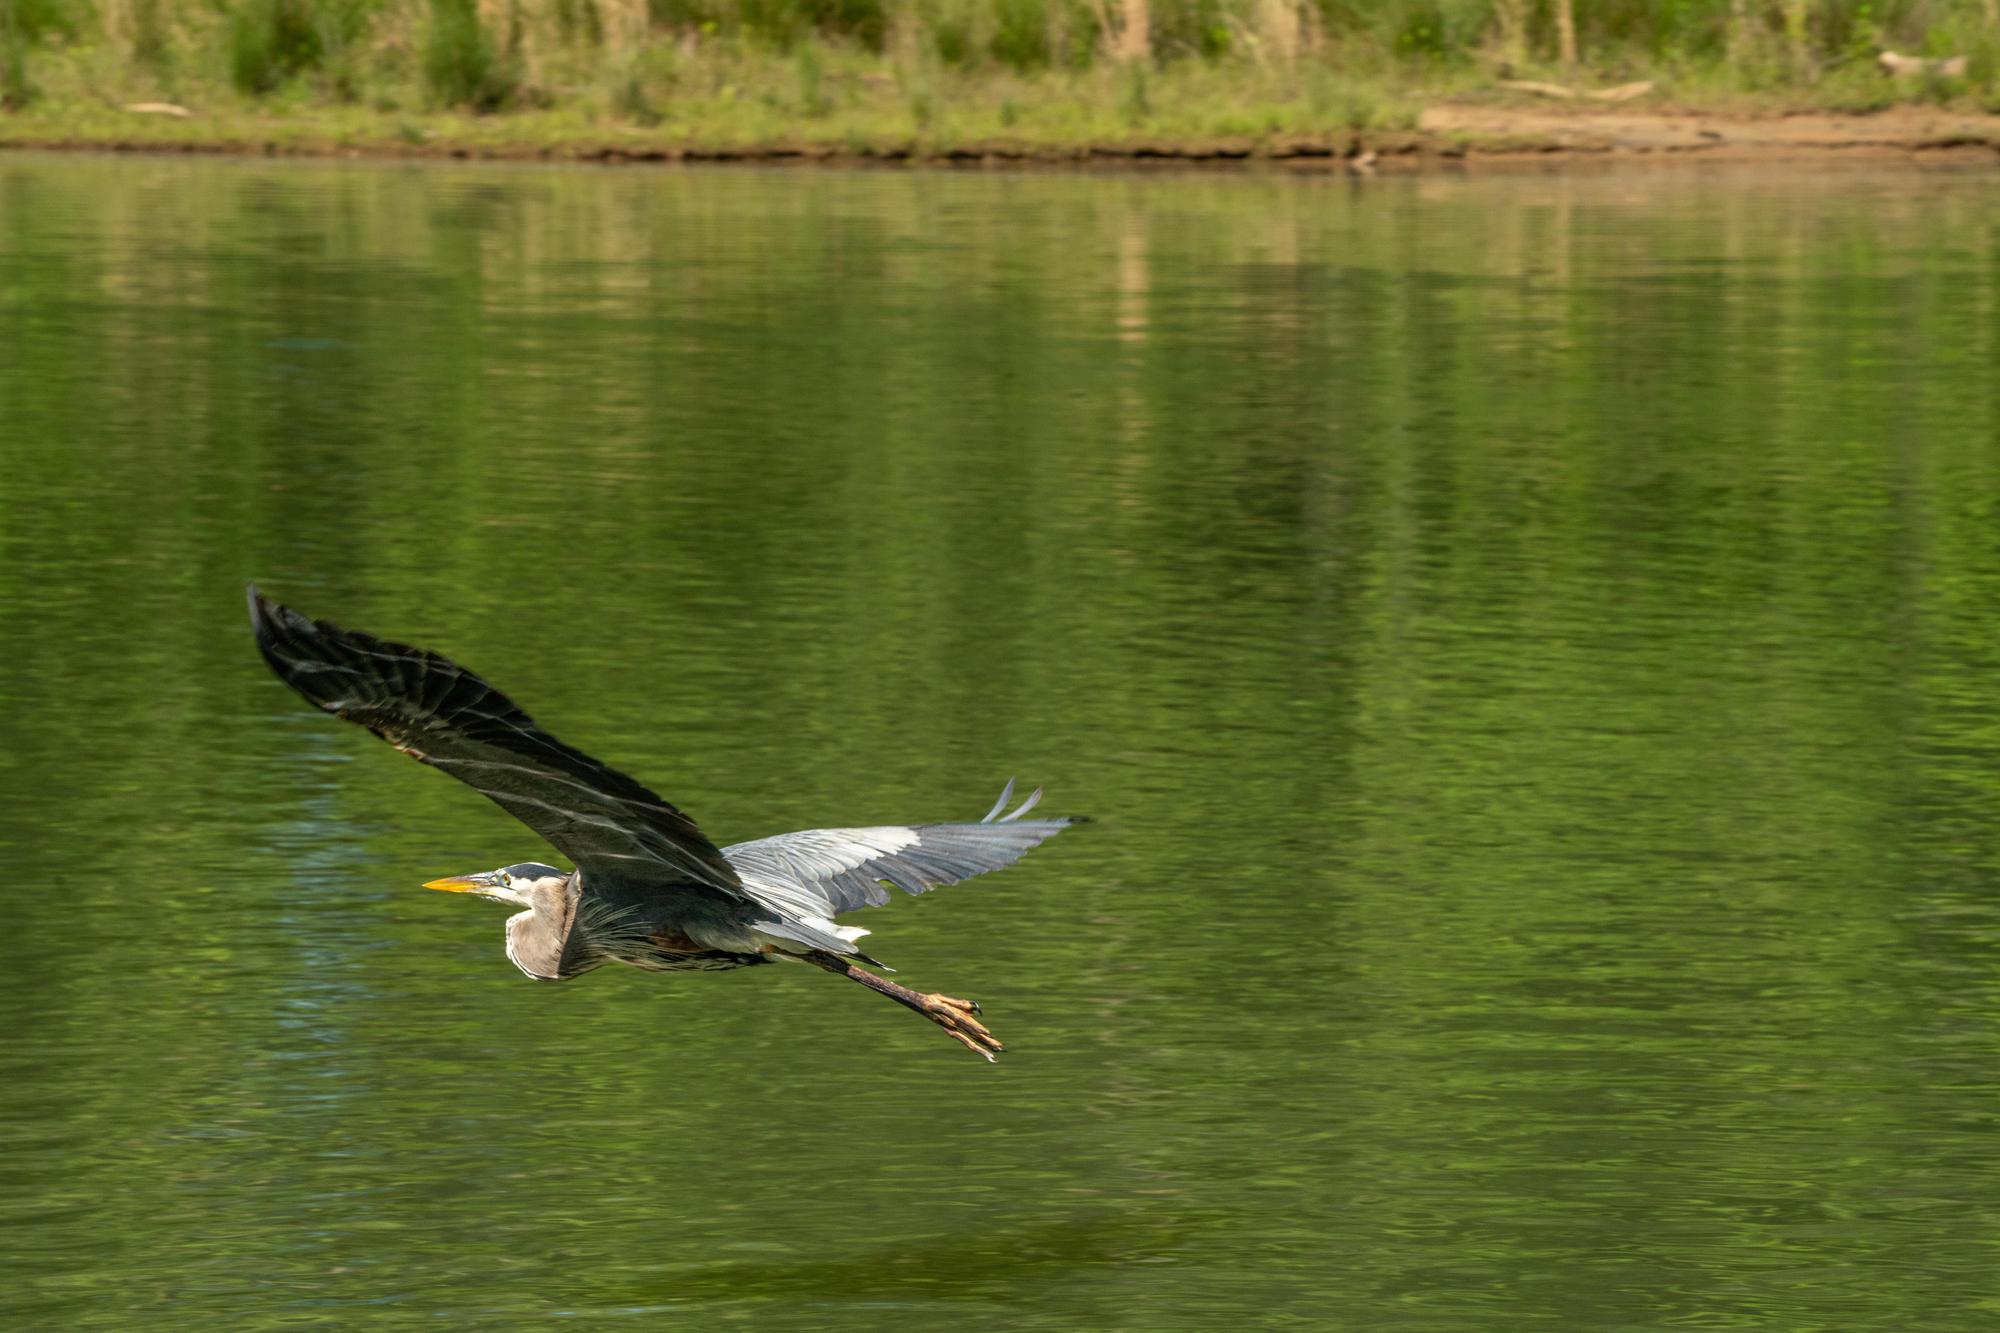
(514, 884)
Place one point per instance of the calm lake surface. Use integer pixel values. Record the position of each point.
(1532, 646)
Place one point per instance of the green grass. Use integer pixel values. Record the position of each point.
(731, 94)
(868, 75)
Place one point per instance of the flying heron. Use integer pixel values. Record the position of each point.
(649, 889)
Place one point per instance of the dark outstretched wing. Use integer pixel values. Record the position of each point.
(821, 872)
(435, 710)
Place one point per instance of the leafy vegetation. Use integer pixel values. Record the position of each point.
(934, 70)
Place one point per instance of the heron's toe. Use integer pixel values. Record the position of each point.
(955, 1016)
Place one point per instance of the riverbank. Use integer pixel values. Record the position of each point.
(1444, 134)
(1404, 83)
(1407, 84)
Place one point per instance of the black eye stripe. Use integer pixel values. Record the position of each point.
(530, 870)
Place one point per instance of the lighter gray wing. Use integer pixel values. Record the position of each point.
(434, 710)
(819, 873)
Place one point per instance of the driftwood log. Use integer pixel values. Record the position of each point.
(1917, 67)
(1624, 92)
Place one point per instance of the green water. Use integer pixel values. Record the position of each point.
(1532, 647)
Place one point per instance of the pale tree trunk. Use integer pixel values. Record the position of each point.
(1278, 30)
(115, 17)
(1566, 32)
(1511, 18)
(1798, 15)
(1135, 31)
(1739, 31)
(904, 41)
(626, 23)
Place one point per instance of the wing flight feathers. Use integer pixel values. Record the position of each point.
(821, 872)
(434, 710)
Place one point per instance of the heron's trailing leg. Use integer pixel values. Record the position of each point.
(955, 1016)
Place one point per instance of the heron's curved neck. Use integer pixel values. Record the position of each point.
(539, 940)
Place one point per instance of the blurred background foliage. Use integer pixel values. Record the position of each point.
(634, 60)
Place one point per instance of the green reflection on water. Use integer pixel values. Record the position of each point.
(1529, 644)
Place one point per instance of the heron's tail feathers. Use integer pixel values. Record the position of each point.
(814, 935)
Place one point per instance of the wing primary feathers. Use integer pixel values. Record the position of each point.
(821, 872)
(430, 707)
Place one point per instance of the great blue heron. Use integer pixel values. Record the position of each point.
(648, 889)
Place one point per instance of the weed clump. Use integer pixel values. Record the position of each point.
(463, 66)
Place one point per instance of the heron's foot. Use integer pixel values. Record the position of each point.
(955, 1016)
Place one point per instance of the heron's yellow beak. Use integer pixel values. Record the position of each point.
(458, 883)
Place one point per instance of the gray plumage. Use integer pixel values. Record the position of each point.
(824, 872)
(649, 888)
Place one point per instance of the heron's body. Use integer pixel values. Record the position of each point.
(568, 930)
(649, 889)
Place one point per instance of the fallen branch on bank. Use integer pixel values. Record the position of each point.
(1916, 67)
(1624, 92)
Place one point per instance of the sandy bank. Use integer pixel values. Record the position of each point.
(1446, 136)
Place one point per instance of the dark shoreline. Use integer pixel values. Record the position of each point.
(1463, 138)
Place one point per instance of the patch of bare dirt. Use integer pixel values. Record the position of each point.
(1487, 131)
